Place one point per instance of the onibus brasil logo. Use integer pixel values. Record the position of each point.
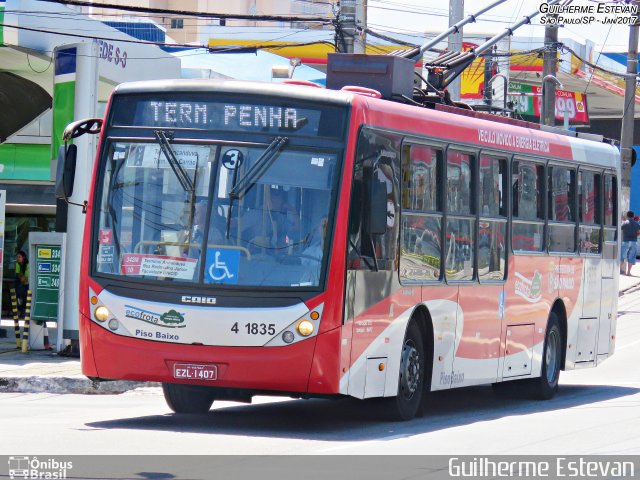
(33, 467)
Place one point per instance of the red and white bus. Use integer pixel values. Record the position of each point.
(247, 238)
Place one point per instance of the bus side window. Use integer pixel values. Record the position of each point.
(610, 208)
(528, 187)
(377, 155)
(589, 211)
(562, 215)
(492, 231)
(421, 232)
(460, 227)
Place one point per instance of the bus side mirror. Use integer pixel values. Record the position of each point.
(376, 214)
(66, 171)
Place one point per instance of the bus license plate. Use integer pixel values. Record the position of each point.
(190, 371)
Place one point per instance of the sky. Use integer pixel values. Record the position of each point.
(415, 16)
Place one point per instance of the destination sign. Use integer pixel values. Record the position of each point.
(260, 116)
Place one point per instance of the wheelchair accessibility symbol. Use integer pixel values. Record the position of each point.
(222, 266)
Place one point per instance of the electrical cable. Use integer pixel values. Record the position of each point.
(188, 13)
(161, 44)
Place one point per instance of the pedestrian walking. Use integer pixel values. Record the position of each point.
(630, 231)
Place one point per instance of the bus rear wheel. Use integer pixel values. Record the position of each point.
(187, 398)
(405, 405)
(546, 386)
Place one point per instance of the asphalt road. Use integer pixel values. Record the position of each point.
(597, 411)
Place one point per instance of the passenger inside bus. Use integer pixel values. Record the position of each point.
(268, 223)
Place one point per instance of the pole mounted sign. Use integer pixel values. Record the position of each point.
(527, 101)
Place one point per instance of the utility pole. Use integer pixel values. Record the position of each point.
(353, 16)
(628, 115)
(488, 74)
(360, 41)
(549, 67)
(456, 13)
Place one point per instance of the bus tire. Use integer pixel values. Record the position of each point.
(406, 404)
(187, 398)
(546, 385)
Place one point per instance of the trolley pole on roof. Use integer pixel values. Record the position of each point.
(416, 53)
(456, 14)
(628, 115)
(549, 67)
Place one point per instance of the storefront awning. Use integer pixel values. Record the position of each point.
(21, 101)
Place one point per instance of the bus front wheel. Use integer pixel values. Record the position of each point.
(187, 398)
(405, 405)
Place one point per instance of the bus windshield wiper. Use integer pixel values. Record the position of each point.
(262, 164)
(259, 168)
(174, 163)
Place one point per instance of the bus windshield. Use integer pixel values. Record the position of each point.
(244, 214)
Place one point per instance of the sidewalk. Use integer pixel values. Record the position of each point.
(40, 371)
(46, 371)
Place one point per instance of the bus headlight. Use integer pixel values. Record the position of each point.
(101, 313)
(305, 328)
(114, 324)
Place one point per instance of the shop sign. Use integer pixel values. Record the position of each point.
(527, 102)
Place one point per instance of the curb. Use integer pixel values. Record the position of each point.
(68, 385)
(631, 289)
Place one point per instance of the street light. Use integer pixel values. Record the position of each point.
(544, 83)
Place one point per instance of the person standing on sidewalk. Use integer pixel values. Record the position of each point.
(22, 281)
(630, 231)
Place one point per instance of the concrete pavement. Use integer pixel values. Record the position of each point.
(40, 371)
(46, 371)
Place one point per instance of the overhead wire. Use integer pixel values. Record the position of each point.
(190, 13)
(162, 44)
(140, 10)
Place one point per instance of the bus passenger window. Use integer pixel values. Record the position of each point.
(460, 233)
(610, 208)
(562, 215)
(527, 190)
(420, 244)
(590, 212)
(492, 186)
(492, 229)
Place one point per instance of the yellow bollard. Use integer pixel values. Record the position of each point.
(16, 316)
(27, 319)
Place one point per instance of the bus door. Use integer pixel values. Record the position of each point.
(590, 248)
(373, 297)
(609, 296)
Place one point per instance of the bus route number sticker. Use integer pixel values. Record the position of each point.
(232, 159)
(222, 266)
